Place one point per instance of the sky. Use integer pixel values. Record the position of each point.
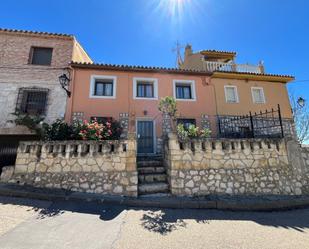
(144, 32)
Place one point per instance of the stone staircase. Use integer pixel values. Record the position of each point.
(152, 177)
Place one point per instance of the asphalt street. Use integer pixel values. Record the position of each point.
(31, 224)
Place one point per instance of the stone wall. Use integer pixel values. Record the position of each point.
(226, 166)
(106, 167)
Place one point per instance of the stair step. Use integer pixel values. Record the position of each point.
(144, 178)
(150, 163)
(150, 158)
(149, 170)
(153, 188)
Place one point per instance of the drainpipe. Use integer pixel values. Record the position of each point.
(70, 101)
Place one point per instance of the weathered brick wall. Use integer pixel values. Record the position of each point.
(107, 167)
(16, 72)
(225, 166)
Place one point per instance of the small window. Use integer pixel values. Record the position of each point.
(32, 101)
(184, 90)
(258, 95)
(145, 88)
(102, 86)
(231, 95)
(186, 122)
(41, 56)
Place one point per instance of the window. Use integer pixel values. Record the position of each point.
(186, 122)
(32, 101)
(258, 95)
(231, 95)
(145, 88)
(41, 56)
(102, 86)
(184, 89)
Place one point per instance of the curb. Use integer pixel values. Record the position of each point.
(258, 203)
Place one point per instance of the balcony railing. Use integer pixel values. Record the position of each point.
(212, 66)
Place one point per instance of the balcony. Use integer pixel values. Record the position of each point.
(211, 66)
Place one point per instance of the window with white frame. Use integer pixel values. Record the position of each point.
(258, 95)
(145, 88)
(103, 86)
(184, 89)
(231, 95)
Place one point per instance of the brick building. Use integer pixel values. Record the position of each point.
(30, 65)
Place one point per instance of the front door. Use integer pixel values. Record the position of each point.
(145, 137)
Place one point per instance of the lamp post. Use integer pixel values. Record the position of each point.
(64, 83)
(301, 102)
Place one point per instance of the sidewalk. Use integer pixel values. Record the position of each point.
(237, 203)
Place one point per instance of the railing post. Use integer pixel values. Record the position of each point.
(251, 123)
(280, 121)
(219, 125)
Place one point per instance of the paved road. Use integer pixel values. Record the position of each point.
(39, 224)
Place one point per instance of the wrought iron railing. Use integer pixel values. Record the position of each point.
(266, 124)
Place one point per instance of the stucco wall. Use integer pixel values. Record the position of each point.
(124, 102)
(275, 93)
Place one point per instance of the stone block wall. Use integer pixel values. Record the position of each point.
(226, 166)
(105, 167)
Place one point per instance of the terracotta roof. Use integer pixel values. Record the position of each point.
(35, 33)
(252, 73)
(137, 68)
(258, 76)
(168, 70)
(217, 51)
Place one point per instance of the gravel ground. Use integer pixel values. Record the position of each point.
(30, 224)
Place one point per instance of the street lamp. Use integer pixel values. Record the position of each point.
(64, 82)
(301, 102)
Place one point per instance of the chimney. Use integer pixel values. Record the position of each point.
(188, 50)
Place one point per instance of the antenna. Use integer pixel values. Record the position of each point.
(177, 49)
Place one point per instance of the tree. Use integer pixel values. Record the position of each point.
(301, 119)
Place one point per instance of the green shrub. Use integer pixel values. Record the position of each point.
(192, 131)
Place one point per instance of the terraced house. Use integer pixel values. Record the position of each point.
(211, 90)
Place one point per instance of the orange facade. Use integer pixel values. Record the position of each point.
(208, 96)
(124, 100)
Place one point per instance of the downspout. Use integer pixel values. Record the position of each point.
(70, 101)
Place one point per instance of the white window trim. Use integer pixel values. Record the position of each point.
(185, 82)
(155, 87)
(236, 91)
(263, 95)
(93, 78)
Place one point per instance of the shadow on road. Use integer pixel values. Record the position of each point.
(165, 221)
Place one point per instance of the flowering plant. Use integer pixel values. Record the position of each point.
(91, 130)
(94, 130)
